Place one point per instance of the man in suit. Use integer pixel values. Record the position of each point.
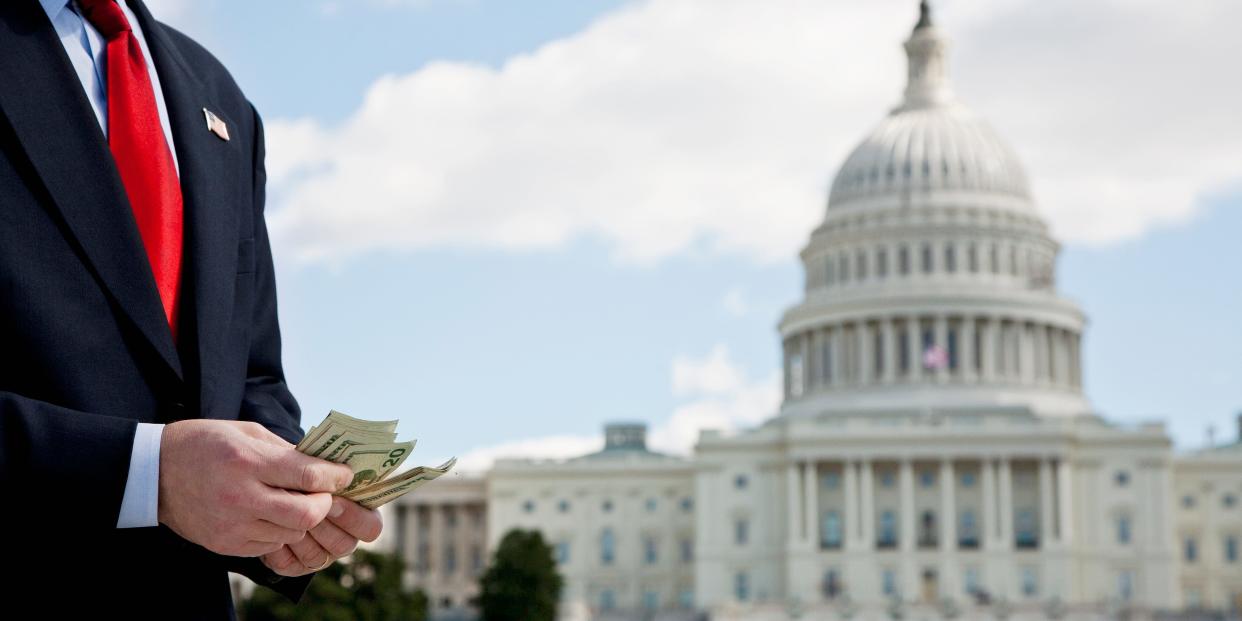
(145, 426)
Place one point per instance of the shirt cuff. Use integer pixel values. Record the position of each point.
(140, 505)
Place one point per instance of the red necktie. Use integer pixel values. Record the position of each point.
(142, 155)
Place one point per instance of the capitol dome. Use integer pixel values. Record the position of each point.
(931, 283)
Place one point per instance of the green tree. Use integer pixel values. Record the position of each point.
(367, 588)
(522, 583)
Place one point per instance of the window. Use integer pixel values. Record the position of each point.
(970, 581)
(651, 601)
(967, 530)
(1190, 551)
(1026, 533)
(1030, 583)
(927, 258)
(741, 531)
(1013, 260)
(1125, 585)
(607, 601)
(845, 267)
(888, 578)
(528, 506)
(887, 479)
(606, 506)
(888, 530)
(1188, 502)
(832, 584)
(563, 506)
(831, 532)
(881, 263)
(994, 259)
(1122, 478)
(968, 479)
(861, 261)
(685, 599)
(829, 270)
(450, 559)
(927, 529)
(950, 258)
(687, 550)
(562, 552)
(607, 547)
(1123, 529)
(1231, 549)
(1229, 501)
(927, 478)
(741, 481)
(877, 353)
(831, 480)
(687, 505)
(903, 352)
(972, 258)
(476, 558)
(741, 586)
(652, 505)
(903, 260)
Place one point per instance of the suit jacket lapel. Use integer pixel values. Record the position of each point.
(48, 110)
(211, 227)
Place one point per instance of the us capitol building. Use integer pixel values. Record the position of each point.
(934, 454)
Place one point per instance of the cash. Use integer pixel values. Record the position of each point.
(371, 450)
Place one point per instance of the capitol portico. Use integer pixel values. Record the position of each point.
(934, 450)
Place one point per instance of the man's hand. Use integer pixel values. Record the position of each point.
(237, 489)
(347, 523)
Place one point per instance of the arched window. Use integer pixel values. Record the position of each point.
(967, 529)
(972, 258)
(1123, 529)
(903, 260)
(881, 263)
(927, 258)
(861, 260)
(950, 258)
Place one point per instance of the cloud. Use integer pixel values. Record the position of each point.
(719, 394)
(713, 126)
(735, 303)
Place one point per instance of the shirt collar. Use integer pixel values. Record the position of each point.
(54, 7)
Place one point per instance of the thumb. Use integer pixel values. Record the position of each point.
(292, 470)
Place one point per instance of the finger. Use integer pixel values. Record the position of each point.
(292, 509)
(263, 530)
(330, 537)
(290, 469)
(282, 561)
(364, 524)
(310, 553)
(257, 548)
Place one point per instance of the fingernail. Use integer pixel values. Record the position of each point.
(336, 510)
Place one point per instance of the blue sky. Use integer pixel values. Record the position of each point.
(486, 340)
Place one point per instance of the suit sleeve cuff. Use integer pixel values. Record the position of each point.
(140, 504)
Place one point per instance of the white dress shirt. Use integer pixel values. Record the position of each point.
(86, 49)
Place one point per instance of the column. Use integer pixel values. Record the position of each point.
(909, 572)
(990, 330)
(966, 348)
(1006, 503)
(1026, 352)
(851, 530)
(1040, 353)
(816, 363)
(810, 483)
(912, 348)
(1076, 360)
(987, 479)
(865, 363)
(1065, 494)
(889, 333)
(1045, 503)
(948, 507)
(867, 487)
(942, 339)
(838, 355)
(793, 507)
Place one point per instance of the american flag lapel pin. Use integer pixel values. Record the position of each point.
(216, 125)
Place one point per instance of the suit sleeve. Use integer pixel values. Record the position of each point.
(43, 445)
(267, 399)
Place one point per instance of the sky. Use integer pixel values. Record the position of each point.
(509, 223)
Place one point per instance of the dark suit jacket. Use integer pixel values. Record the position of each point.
(85, 351)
